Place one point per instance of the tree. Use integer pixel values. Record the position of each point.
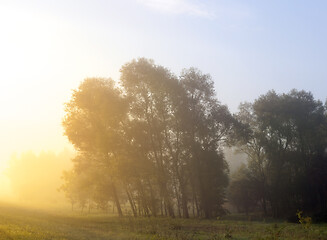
(285, 139)
(93, 124)
(249, 138)
(207, 124)
(148, 88)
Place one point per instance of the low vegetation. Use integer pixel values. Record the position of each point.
(28, 224)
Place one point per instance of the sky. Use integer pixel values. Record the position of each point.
(248, 46)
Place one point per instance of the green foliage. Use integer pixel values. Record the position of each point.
(304, 221)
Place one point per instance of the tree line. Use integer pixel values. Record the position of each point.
(155, 141)
(285, 139)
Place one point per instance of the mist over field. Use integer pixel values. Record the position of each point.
(34, 179)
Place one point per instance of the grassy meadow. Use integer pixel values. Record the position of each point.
(28, 224)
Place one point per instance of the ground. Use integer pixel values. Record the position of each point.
(27, 224)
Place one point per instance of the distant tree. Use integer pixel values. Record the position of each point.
(234, 157)
(35, 178)
(77, 188)
(242, 190)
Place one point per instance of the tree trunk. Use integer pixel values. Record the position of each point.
(161, 208)
(169, 205)
(120, 213)
(264, 205)
(178, 202)
(131, 202)
(153, 201)
(184, 202)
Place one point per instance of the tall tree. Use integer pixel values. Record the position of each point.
(207, 123)
(93, 124)
(150, 90)
(250, 139)
(287, 133)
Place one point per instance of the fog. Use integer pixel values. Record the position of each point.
(33, 179)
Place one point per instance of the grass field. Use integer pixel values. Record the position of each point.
(26, 224)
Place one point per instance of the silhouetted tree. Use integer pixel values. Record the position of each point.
(206, 125)
(285, 137)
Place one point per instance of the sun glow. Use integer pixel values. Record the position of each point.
(43, 56)
(31, 91)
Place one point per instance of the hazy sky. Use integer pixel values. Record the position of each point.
(249, 47)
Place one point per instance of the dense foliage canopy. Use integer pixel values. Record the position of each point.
(285, 139)
(154, 142)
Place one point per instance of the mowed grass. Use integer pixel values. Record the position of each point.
(26, 224)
